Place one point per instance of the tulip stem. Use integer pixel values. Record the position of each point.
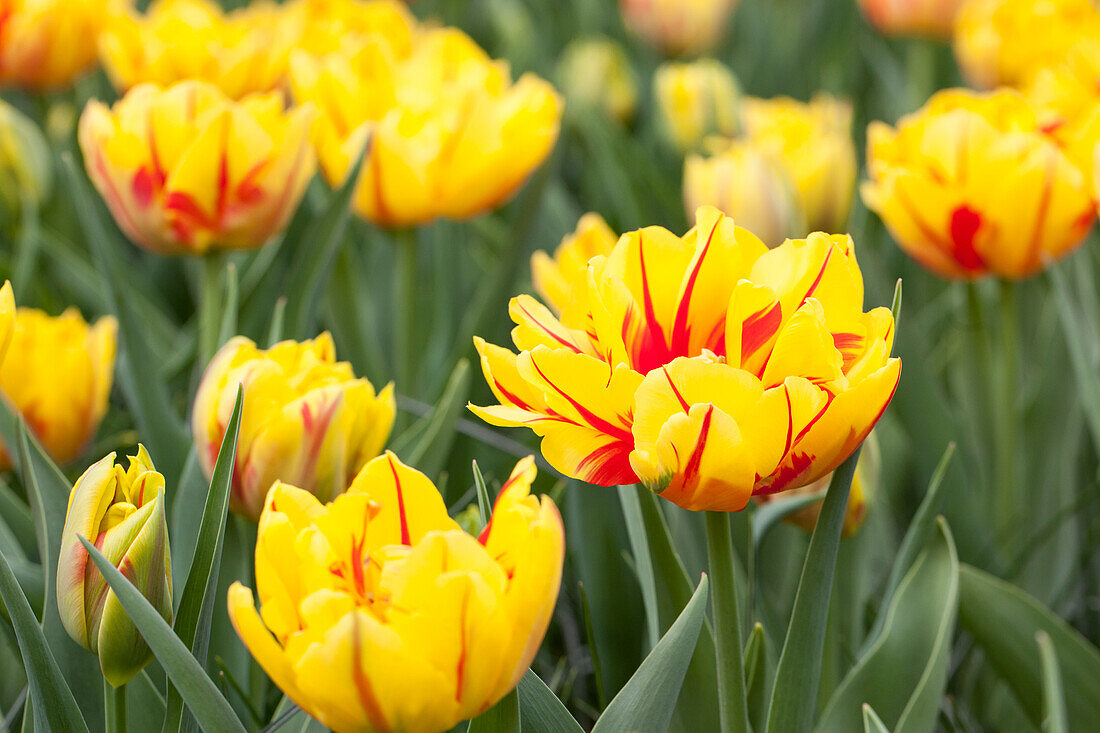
(1008, 454)
(114, 707)
(210, 295)
(732, 703)
(405, 306)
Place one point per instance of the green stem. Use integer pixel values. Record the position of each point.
(405, 306)
(114, 706)
(920, 71)
(210, 295)
(732, 703)
(1008, 455)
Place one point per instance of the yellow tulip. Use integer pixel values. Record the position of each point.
(451, 135)
(596, 73)
(48, 44)
(1006, 41)
(186, 169)
(7, 318)
(926, 18)
(678, 26)
(751, 185)
(705, 366)
(321, 27)
(561, 280)
(379, 613)
(1066, 98)
(814, 143)
(696, 100)
(26, 163)
(58, 372)
(120, 511)
(306, 418)
(969, 186)
(240, 52)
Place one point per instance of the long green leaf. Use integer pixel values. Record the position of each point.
(903, 673)
(196, 606)
(540, 709)
(430, 452)
(1054, 697)
(643, 564)
(871, 721)
(501, 718)
(208, 706)
(799, 671)
(648, 700)
(159, 425)
(17, 515)
(1003, 621)
(1088, 383)
(484, 503)
(54, 706)
(769, 515)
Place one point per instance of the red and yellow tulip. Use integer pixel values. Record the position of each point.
(926, 18)
(306, 418)
(705, 366)
(58, 373)
(187, 170)
(969, 185)
(678, 26)
(378, 613)
(48, 44)
(562, 280)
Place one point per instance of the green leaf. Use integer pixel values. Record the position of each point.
(799, 670)
(895, 305)
(648, 700)
(210, 709)
(593, 648)
(871, 722)
(227, 329)
(16, 514)
(501, 718)
(1054, 698)
(732, 701)
(54, 705)
(1003, 621)
(429, 453)
(278, 318)
(484, 503)
(316, 250)
(759, 670)
(768, 515)
(160, 427)
(1088, 383)
(904, 671)
(196, 605)
(540, 709)
(643, 564)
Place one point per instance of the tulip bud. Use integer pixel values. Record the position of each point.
(26, 172)
(121, 511)
(925, 18)
(307, 419)
(595, 72)
(749, 185)
(58, 373)
(678, 27)
(696, 100)
(49, 43)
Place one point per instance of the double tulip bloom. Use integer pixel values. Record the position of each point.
(562, 280)
(321, 27)
(970, 185)
(121, 512)
(58, 374)
(696, 100)
(1066, 98)
(705, 366)
(378, 613)
(450, 134)
(678, 26)
(187, 170)
(47, 44)
(306, 418)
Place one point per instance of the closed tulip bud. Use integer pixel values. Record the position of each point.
(969, 185)
(561, 280)
(707, 366)
(26, 169)
(596, 73)
(121, 511)
(188, 170)
(678, 27)
(240, 52)
(322, 27)
(924, 18)
(751, 186)
(696, 100)
(379, 613)
(1006, 41)
(48, 44)
(306, 418)
(58, 373)
(450, 134)
(813, 141)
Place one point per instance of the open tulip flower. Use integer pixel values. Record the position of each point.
(969, 185)
(321, 27)
(705, 366)
(58, 373)
(187, 170)
(306, 418)
(678, 26)
(48, 44)
(1066, 98)
(451, 135)
(120, 511)
(561, 280)
(926, 18)
(378, 613)
(240, 52)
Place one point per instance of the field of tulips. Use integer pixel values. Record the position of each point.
(537, 365)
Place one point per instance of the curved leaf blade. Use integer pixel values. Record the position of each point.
(1054, 699)
(540, 709)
